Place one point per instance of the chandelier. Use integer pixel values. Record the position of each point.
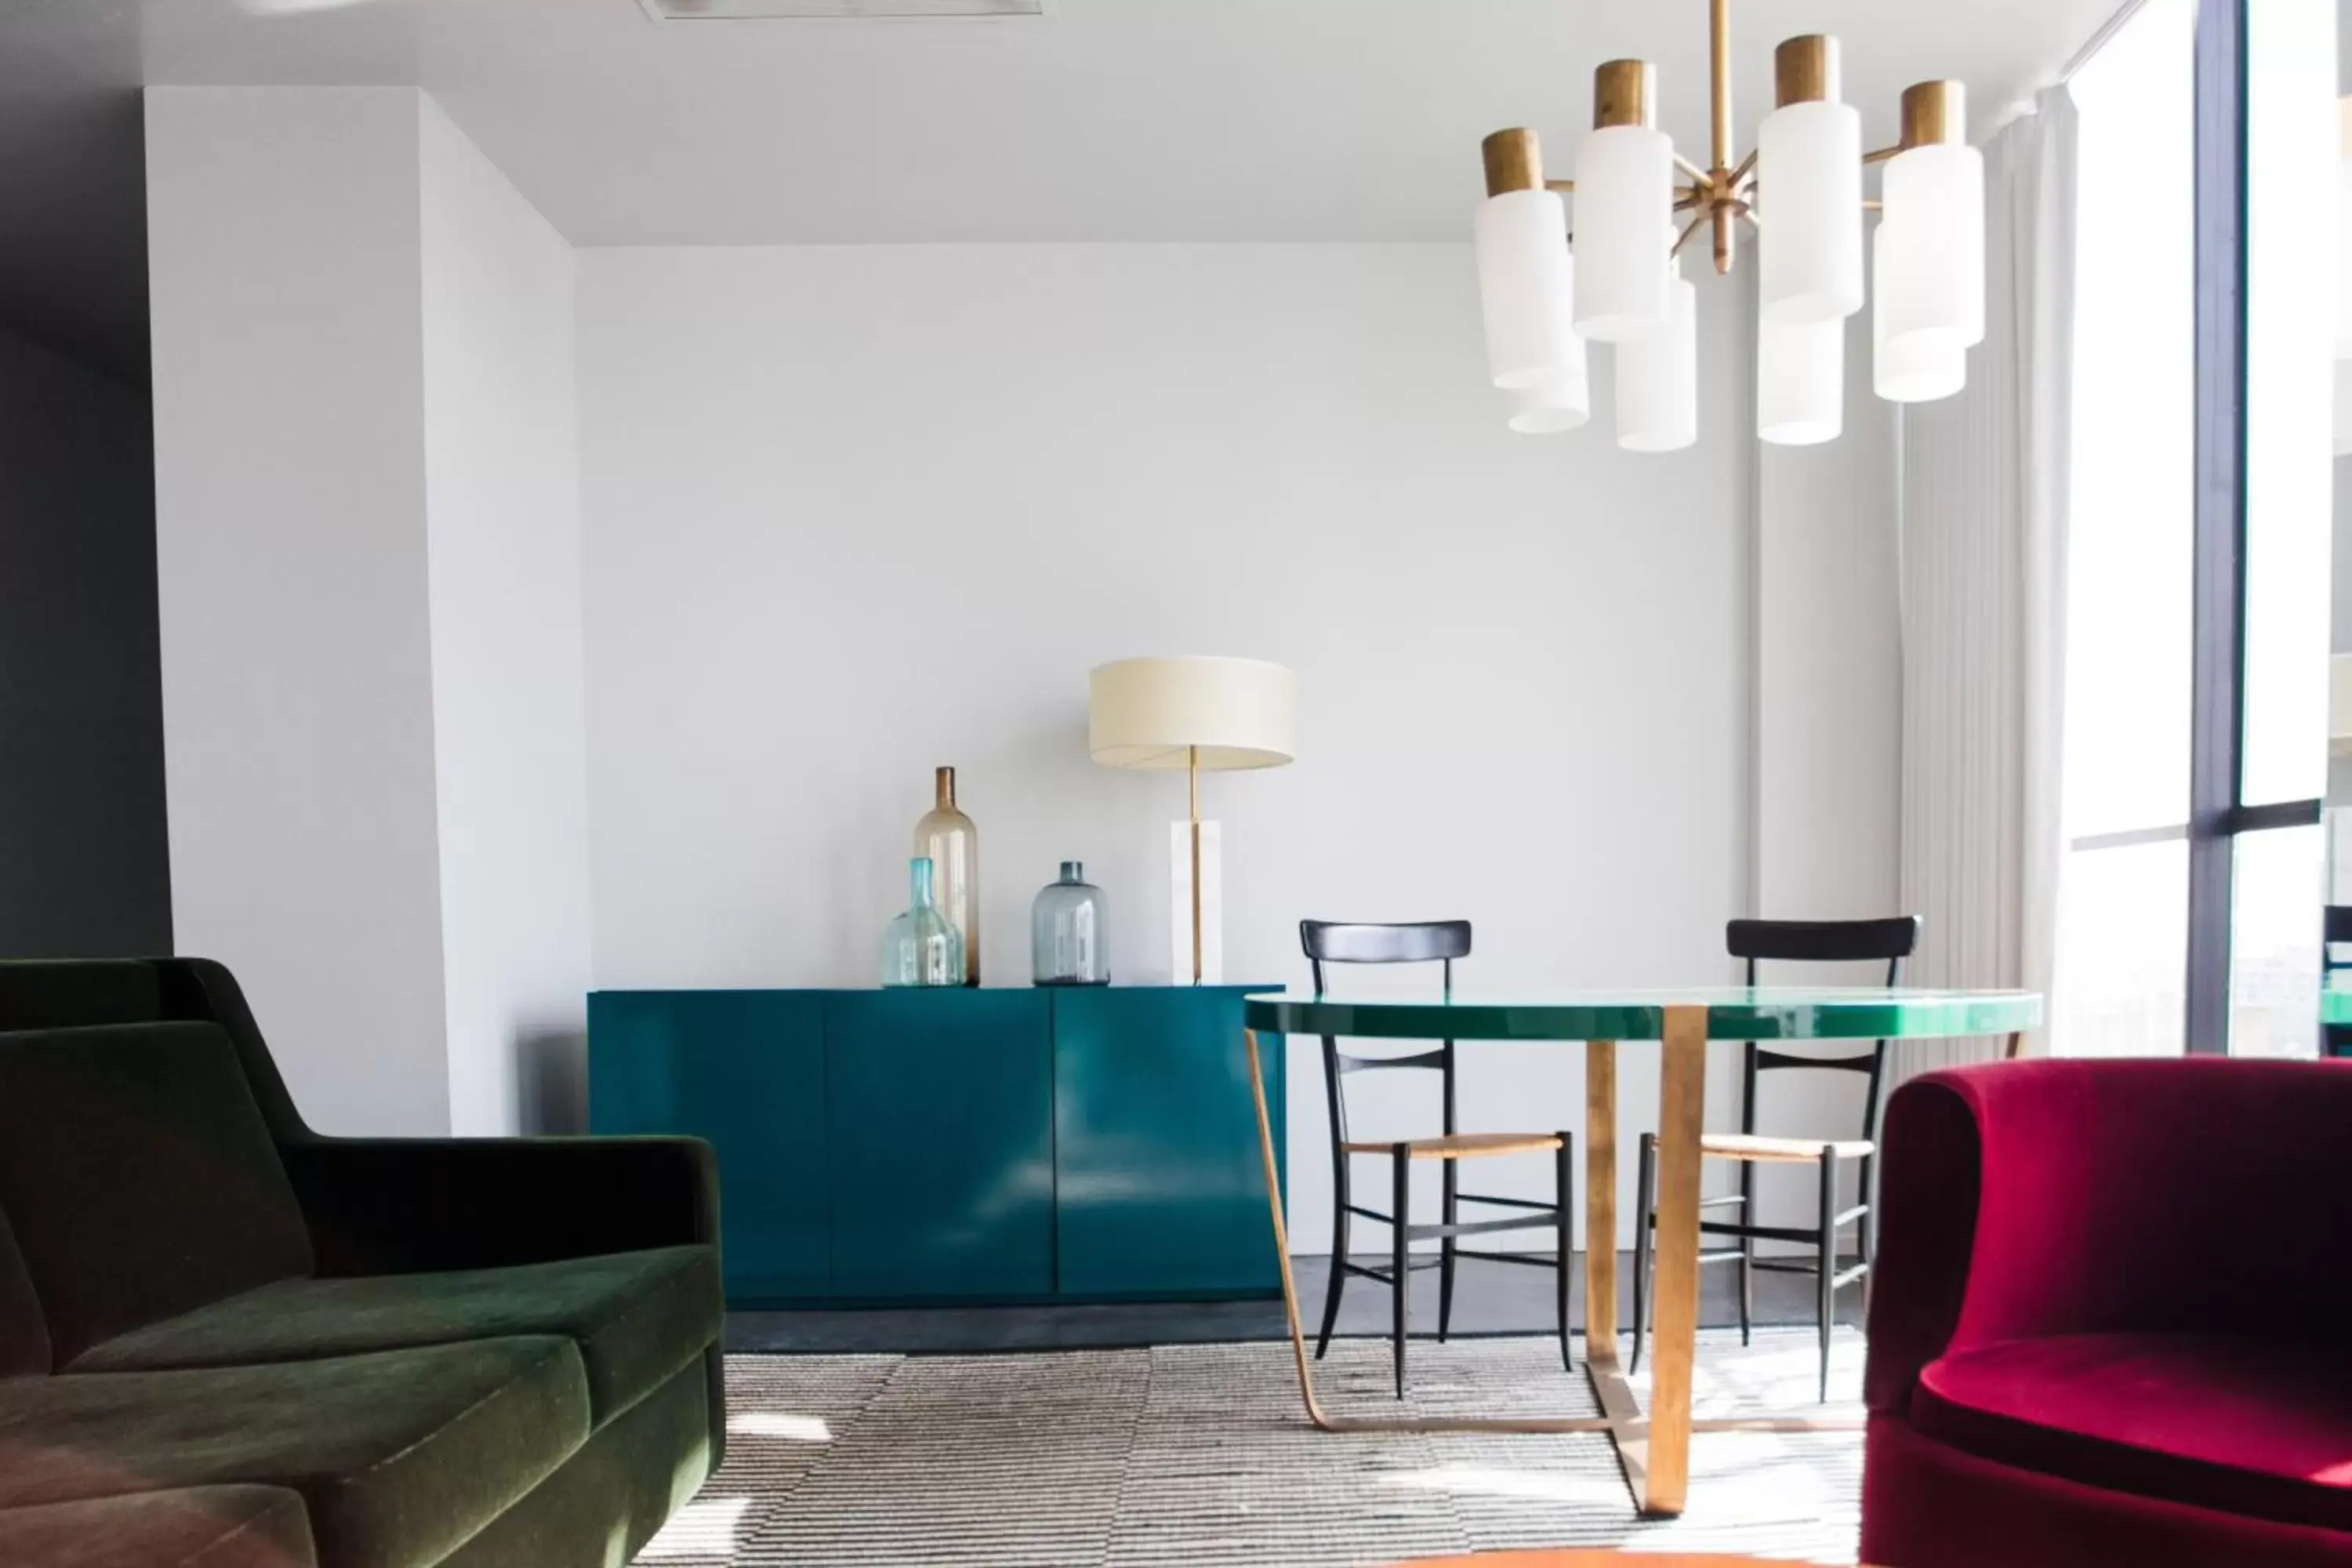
(1617, 278)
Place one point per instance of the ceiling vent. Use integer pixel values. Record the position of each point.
(833, 10)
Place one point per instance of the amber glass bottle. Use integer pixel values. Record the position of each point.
(948, 836)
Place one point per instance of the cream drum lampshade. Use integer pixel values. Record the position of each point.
(1152, 713)
(1198, 714)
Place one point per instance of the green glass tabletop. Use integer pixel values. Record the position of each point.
(1733, 1013)
(2335, 1002)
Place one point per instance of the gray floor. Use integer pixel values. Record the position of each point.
(1489, 1298)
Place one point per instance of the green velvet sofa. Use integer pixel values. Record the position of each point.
(228, 1342)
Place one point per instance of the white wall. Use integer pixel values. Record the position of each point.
(502, 512)
(853, 512)
(368, 570)
(290, 490)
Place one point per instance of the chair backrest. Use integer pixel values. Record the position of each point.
(1419, 942)
(2334, 929)
(2335, 926)
(1891, 938)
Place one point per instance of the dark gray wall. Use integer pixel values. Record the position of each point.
(84, 861)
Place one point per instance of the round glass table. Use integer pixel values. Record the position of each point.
(1653, 1447)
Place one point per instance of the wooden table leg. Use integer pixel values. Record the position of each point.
(1621, 1418)
(1681, 1116)
(1600, 1199)
(1629, 1431)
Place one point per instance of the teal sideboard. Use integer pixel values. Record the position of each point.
(957, 1145)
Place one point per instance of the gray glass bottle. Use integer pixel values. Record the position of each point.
(1069, 933)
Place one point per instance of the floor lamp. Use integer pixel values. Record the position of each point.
(1201, 714)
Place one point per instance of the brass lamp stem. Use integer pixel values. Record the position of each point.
(1193, 769)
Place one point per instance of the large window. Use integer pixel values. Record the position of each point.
(2198, 591)
(2124, 924)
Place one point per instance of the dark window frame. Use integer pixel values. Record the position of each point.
(2217, 812)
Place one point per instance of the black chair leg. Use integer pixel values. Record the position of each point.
(1566, 1217)
(1747, 1253)
(1401, 1253)
(1827, 1304)
(1452, 1213)
(1338, 1268)
(1645, 1199)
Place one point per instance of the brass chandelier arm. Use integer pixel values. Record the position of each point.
(1880, 155)
(1689, 229)
(1566, 187)
(1744, 172)
(1693, 170)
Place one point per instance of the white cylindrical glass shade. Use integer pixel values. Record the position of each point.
(1563, 403)
(1625, 202)
(1150, 712)
(1800, 382)
(1809, 195)
(1526, 288)
(1657, 378)
(1916, 366)
(1934, 196)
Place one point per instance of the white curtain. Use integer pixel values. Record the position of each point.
(1985, 477)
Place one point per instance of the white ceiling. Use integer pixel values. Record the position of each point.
(1213, 120)
(1210, 120)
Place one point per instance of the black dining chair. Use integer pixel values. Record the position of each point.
(1438, 942)
(2335, 932)
(1804, 941)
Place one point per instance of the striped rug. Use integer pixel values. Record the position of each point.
(1198, 1454)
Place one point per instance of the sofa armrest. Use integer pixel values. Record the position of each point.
(400, 1206)
(2048, 1197)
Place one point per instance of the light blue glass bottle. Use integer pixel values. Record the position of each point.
(1070, 934)
(921, 947)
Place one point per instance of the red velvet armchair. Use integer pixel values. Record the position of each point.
(2113, 1318)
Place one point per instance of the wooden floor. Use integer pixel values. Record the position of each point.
(1489, 1298)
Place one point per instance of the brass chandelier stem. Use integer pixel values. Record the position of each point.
(1719, 37)
(1725, 202)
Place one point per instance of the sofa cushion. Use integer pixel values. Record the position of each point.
(610, 1498)
(24, 1333)
(638, 1318)
(138, 1176)
(399, 1457)
(69, 993)
(2256, 1428)
(196, 1526)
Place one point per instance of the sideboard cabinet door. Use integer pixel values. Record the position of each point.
(1162, 1182)
(938, 1119)
(746, 1071)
